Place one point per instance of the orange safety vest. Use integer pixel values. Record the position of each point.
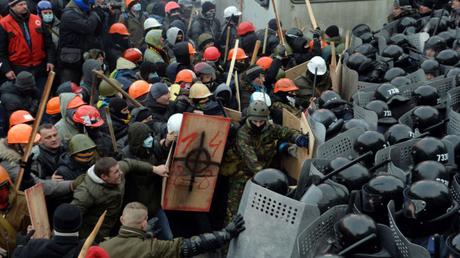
(19, 52)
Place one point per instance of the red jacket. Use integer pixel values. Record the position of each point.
(19, 52)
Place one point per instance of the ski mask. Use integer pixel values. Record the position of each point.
(48, 18)
(148, 142)
(136, 7)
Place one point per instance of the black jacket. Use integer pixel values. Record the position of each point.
(57, 246)
(201, 25)
(69, 169)
(46, 162)
(14, 98)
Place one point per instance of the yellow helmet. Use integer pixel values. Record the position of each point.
(199, 91)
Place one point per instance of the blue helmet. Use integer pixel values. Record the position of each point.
(84, 5)
(44, 5)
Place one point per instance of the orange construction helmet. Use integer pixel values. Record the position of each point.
(139, 88)
(211, 54)
(245, 28)
(53, 106)
(119, 28)
(285, 85)
(77, 101)
(171, 5)
(185, 75)
(264, 62)
(191, 49)
(4, 177)
(240, 54)
(20, 134)
(128, 3)
(133, 54)
(20, 117)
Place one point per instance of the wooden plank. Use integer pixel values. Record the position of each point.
(196, 163)
(296, 71)
(234, 115)
(37, 210)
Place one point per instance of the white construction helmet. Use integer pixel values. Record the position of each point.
(317, 62)
(174, 123)
(151, 23)
(204, 1)
(231, 11)
(260, 96)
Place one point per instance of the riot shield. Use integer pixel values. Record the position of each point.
(406, 119)
(340, 146)
(401, 154)
(319, 236)
(455, 188)
(443, 85)
(318, 132)
(270, 218)
(418, 40)
(417, 76)
(367, 115)
(367, 86)
(453, 101)
(405, 249)
(349, 81)
(361, 98)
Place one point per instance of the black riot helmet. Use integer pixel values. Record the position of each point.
(393, 73)
(429, 148)
(436, 43)
(355, 123)
(360, 29)
(272, 179)
(430, 170)
(383, 112)
(330, 99)
(436, 24)
(400, 81)
(379, 191)
(393, 52)
(369, 141)
(293, 33)
(355, 227)
(426, 95)
(398, 133)
(367, 37)
(455, 72)
(398, 39)
(454, 141)
(448, 57)
(388, 93)
(366, 49)
(328, 119)
(353, 177)
(359, 62)
(331, 196)
(426, 200)
(448, 37)
(424, 117)
(453, 245)
(329, 256)
(405, 23)
(430, 66)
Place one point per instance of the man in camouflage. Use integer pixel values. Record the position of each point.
(255, 149)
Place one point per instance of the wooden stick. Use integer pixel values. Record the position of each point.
(264, 48)
(232, 64)
(93, 98)
(111, 131)
(192, 13)
(333, 53)
(237, 86)
(255, 52)
(314, 24)
(38, 119)
(347, 40)
(126, 95)
(92, 236)
(227, 43)
(278, 22)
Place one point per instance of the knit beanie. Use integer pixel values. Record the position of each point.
(253, 72)
(97, 252)
(67, 218)
(332, 31)
(158, 89)
(25, 80)
(116, 105)
(207, 6)
(12, 3)
(273, 25)
(140, 114)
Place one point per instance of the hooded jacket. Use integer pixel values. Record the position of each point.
(88, 76)
(15, 98)
(66, 128)
(202, 24)
(70, 169)
(93, 196)
(182, 55)
(45, 161)
(125, 72)
(135, 25)
(144, 188)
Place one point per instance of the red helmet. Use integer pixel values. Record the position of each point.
(88, 116)
(245, 28)
(171, 5)
(211, 54)
(133, 54)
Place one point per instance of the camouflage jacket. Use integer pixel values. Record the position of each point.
(257, 149)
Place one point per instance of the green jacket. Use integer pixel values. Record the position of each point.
(65, 128)
(153, 56)
(135, 25)
(257, 149)
(132, 242)
(93, 196)
(305, 84)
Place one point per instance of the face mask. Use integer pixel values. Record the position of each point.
(153, 77)
(148, 143)
(48, 18)
(137, 7)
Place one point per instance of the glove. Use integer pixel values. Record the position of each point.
(153, 227)
(236, 226)
(283, 147)
(317, 33)
(302, 141)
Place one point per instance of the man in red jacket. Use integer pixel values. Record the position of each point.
(24, 44)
